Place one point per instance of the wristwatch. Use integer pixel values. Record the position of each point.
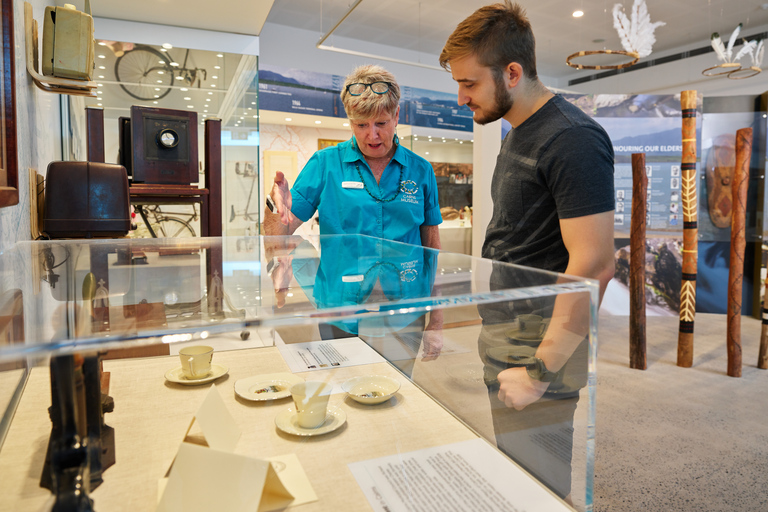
(537, 370)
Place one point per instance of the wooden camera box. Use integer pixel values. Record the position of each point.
(68, 46)
(86, 200)
(164, 145)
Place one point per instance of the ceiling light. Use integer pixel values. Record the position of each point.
(216, 67)
(102, 56)
(157, 88)
(161, 62)
(252, 103)
(102, 67)
(162, 49)
(209, 93)
(426, 152)
(215, 77)
(101, 76)
(161, 72)
(220, 55)
(184, 89)
(213, 85)
(346, 124)
(175, 64)
(154, 102)
(98, 104)
(318, 122)
(242, 117)
(187, 98)
(578, 14)
(190, 106)
(167, 46)
(102, 43)
(255, 117)
(157, 95)
(288, 119)
(207, 99)
(205, 111)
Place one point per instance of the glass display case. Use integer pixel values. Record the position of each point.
(454, 381)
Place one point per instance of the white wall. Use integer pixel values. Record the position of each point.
(38, 131)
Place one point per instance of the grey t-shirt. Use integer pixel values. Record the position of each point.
(557, 164)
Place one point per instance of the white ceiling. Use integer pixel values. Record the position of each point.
(425, 25)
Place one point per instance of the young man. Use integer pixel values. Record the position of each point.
(553, 205)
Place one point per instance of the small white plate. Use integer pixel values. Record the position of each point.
(176, 375)
(371, 389)
(288, 422)
(271, 386)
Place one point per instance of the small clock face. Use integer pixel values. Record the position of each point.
(168, 138)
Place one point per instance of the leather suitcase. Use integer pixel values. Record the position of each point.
(68, 46)
(86, 200)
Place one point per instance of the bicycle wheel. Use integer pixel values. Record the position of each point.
(142, 72)
(171, 227)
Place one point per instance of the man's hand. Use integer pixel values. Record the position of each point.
(517, 389)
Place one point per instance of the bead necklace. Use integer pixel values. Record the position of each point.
(384, 265)
(380, 199)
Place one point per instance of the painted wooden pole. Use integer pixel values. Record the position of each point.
(637, 349)
(690, 231)
(738, 244)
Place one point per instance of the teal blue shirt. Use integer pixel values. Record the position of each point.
(330, 183)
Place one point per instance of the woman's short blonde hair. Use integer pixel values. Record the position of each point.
(369, 104)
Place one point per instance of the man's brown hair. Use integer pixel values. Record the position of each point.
(497, 35)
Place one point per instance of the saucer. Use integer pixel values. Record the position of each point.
(510, 356)
(371, 389)
(271, 386)
(288, 422)
(176, 375)
(527, 338)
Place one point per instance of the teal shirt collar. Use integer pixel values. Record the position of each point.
(352, 152)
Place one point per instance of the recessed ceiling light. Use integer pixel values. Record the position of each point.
(219, 55)
(161, 72)
(157, 95)
(213, 85)
(426, 152)
(154, 102)
(102, 67)
(175, 64)
(98, 104)
(242, 117)
(461, 142)
(578, 14)
(215, 77)
(157, 88)
(102, 56)
(163, 50)
(288, 119)
(184, 89)
(101, 76)
(318, 122)
(216, 67)
(167, 46)
(190, 106)
(255, 117)
(159, 81)
(205, 111)
(207, 99)
(102, 43)
(187, 98)
(209, 93)
(161, 62)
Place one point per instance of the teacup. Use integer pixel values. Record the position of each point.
(196, 361)
(531, 326)
(311, 400)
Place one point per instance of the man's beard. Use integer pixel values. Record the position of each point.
(501, 104)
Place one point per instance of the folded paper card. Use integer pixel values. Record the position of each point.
(217, 424)
(203, 479)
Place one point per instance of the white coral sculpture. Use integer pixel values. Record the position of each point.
(636, 35)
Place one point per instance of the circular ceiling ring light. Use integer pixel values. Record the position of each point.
(750, 72)
(728, 67)
(584, 53)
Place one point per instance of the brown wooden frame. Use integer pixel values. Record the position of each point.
(9, 168)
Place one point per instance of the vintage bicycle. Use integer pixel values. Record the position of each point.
(147, 74)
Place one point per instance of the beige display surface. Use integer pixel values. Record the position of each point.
(151, 418)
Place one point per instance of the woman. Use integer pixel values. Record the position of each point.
(369, 184)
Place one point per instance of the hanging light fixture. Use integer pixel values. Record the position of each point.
(636, 36)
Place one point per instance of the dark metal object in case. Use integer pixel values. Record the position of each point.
(86, 199)
(125, 151)
(164, 146)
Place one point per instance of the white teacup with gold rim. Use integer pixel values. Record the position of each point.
(311, 401)
(196, 361)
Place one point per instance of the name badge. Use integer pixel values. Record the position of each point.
(352, 279)
(352, 184)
